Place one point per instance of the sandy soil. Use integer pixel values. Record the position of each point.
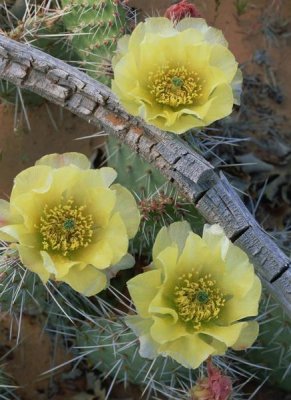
(53, 130)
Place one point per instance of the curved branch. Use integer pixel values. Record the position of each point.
(195, 177)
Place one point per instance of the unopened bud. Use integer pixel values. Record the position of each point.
(215, 386)
(182, 10)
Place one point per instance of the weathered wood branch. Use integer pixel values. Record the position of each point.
(195, 177)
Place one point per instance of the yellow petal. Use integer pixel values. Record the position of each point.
(190, 351)
(36, 179)
(210, 34)
(4, 212)
(235, 274)
(164, 329)
(158, 26)
(180, 126)
(102, 177)
(225, 334)
(30, 207)
(167, 262)
(99, 202)
(88, 281)
(162, 304)
(141, 327)
(241, 307)
(127, 208)
(121, 49)
(223, 59)
(221, 104)
(236, 85)
(142, 289)
(12, 233)
(57, 265)
(61, 160)
(247, 336)
(176, 233)
(5, 219)
(194, 256)
(116, 236)
(32, 260)
(167, 50)
(98, 254)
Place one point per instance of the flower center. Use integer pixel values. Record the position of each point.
(198, 300)
(175, 86)
(65, 227)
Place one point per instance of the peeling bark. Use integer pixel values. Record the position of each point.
(212, 194)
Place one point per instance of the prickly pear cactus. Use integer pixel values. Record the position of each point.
(273, 349)
(20, 289)
(113, 349)
(136, 174)
(27, 22)
(95, 27)
(6, 386)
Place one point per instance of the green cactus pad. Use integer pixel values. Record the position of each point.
(134, 173)
(272, 349)
(95, 26)
(41, 28)
(113, 349)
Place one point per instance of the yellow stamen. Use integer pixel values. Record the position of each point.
(65, 227)
(197, 299)
(177, 86)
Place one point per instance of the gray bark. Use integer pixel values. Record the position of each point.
(195, 177)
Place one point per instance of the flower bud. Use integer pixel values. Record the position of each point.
(215, 386)
(181, 10)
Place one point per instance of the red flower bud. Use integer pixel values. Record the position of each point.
(215, 386)
(182, 10)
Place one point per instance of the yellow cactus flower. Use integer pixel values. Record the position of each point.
(193, 300)
(69, 223)
(176, 76)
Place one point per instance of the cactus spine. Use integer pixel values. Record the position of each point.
(95, 26)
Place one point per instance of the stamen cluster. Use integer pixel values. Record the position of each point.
(65, 227)
(175, 86)
(198, 299)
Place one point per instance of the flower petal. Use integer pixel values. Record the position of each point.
(194, 256)
(247, 337)
(4, 212)
(141, 327)
(236, 85)
(61, 160)
(225, 334)
(236, 308)
(32, 260)
(158, 26)
(223, 59)
(116, 236)
(162, 304)
(36, 179)
(210, 34)
(6, 218)
(190, 351)
(164, 329)
(126, 206)
(88, 281)
(142, 289)
(96, 178)
(176, 233)
(98, 254)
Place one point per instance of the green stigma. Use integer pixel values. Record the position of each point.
(176, 81)
(202, 297)
(69, 223)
